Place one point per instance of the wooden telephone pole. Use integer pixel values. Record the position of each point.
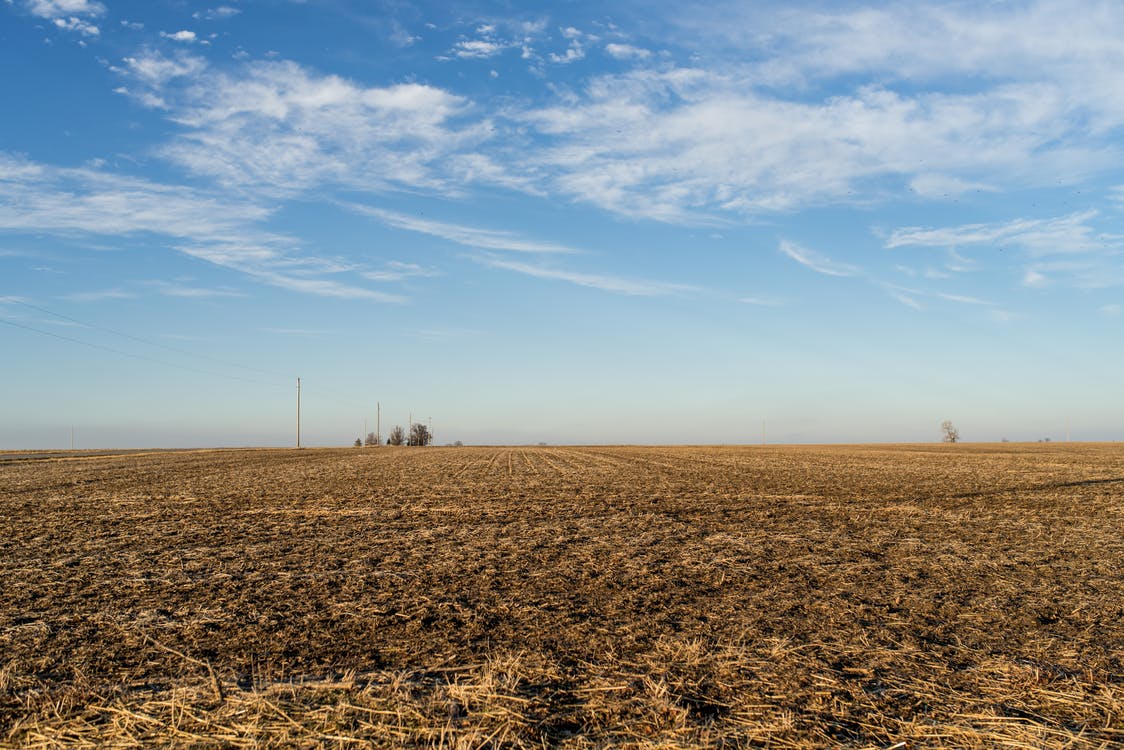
(298, 412)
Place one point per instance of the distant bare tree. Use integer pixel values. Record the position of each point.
(397, 436)
(371, 439)
(419, 434)
(949, 434)
(358, 443)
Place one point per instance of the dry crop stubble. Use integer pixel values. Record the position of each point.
(858, 596)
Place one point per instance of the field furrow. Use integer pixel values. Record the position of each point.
(853, 596)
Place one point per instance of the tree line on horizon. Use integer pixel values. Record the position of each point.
(418, 434)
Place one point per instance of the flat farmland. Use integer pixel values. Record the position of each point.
(862, 596)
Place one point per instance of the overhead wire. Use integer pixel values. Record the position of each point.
(134, 355)
(147, 342)
(331, 392)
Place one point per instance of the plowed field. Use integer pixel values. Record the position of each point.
(936, 596)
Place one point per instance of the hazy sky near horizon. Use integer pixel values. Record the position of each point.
(573, 222)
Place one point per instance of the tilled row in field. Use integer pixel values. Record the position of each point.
(585, 596)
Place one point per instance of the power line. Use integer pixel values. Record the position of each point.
(329, 392)
(147, 342)
(134, 355)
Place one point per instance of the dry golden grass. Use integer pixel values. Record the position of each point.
(871, 596)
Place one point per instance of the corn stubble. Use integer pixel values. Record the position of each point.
(889, 596)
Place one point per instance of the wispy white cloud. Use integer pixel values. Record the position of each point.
(771, 131)
(403, 38)
(817, 261)
(1059, 40)
(964, 299)
(69, 15)
(668, 144)
(1110, 311)
(603, 282)
(490, 40)
(212, 227)
(627, 52)
(575, 50)
(1073, 233)
(478, 48)
(488, 239)
(397, 270)
(531, 28)
(280, 128)
(573, 53)
(179, 289)
(146, 98)
(99, 296)
(475, 49)
(59, 8)
(929, 185)
(1089, 271)
(762, 301)
(956, 263)
(154, 69)
(677, 144)
(216, 14)
(509, 241)
(182, 35)
(34, 197)
(73, 23)
(786, 127)
(323, 287)
(909, 296)
(266, 265)
(905, 299)
(496, 37)
(10, 252)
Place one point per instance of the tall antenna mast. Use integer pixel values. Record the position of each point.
(298, 412)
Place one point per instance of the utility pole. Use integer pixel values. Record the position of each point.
(298, 412)
(71, 437)
(364, 430)
(378, 419)
(762, 432)
(431, 430)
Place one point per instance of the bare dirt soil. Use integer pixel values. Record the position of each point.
(867, 596)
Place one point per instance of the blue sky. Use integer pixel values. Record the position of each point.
(586, 222)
